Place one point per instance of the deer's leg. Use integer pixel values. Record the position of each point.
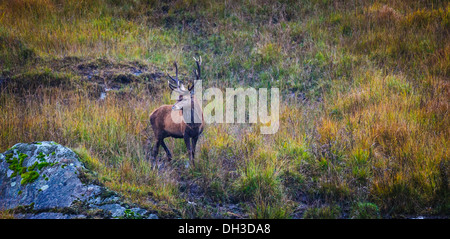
(194, 144)
(187, 141)
(156, 149)
(169, 155)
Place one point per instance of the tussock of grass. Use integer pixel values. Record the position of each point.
(364, 210)
(325, 212)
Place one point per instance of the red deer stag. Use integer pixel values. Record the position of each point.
(168, 120)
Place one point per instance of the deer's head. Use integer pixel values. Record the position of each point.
(186, 96)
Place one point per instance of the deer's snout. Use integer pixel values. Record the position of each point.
(175, 107)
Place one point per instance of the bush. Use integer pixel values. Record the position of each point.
(365, 210)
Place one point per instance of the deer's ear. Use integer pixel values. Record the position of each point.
(182, 87)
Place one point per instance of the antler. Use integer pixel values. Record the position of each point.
(197, 72)
(175, 80)
(179, 84)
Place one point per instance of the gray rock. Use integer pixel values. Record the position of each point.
(115, 209)
(49, 215)
(55, 187)
(138, 211)
(25, 194)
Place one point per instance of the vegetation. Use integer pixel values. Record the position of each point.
(365, 211)
(325, 212)
(363, 121)
(27, 174)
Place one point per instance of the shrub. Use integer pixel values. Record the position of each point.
(365, 210)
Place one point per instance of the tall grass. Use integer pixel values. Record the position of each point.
(108, 135)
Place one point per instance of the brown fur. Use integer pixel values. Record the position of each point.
(163, 126)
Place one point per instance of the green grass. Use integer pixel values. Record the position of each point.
(365, 210)
(325, 212)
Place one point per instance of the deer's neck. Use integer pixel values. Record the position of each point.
(192, 110)
(194, 118)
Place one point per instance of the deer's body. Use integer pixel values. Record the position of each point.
(168, 121)
(162, 124)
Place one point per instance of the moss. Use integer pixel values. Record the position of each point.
(128, 214)
(8, 156)
(15, 164)
(41, 157)
(32, 167)
(29, 177)
(28, 174)
(22, 157)
(42, 165)
(23, 208)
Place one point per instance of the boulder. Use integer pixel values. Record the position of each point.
(44, 180)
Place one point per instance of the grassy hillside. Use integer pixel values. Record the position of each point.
(364, 126)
